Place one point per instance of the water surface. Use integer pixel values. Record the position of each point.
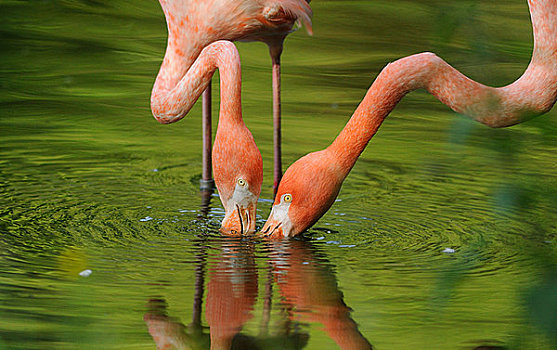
(443, 236)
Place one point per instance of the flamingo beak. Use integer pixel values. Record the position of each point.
(278, 225)
(240, 220)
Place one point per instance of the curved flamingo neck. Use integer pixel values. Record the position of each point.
(534, 93)
(169, 106)
(177, 61)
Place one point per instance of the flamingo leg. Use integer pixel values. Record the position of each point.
(207, 183)
(275, 52)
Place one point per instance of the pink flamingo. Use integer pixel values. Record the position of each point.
(310, 185)
(192, 25)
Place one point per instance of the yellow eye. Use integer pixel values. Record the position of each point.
(287, 198)
(241, 182)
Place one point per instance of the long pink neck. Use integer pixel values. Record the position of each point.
(534, 93)
(169, 106)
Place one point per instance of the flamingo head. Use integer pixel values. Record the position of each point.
(307, 190)
(240, 208)
(238, 172)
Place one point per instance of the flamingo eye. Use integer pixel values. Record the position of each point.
(287, 198)
(241, 182)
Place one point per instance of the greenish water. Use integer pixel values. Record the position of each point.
(89, 180)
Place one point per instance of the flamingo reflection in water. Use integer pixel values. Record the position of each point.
(309, 294)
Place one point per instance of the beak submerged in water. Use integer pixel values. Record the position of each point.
(240, 207)
(239, 220)
(272, 229)
(278, 225)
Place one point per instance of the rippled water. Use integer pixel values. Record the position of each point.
(443, 236)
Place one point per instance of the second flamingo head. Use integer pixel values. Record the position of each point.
(307, 190)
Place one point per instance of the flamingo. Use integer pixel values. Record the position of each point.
(194, 24)
(310, 185)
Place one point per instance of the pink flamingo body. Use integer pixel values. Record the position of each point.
(186, 70)
(192, 25)
(310, 185)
